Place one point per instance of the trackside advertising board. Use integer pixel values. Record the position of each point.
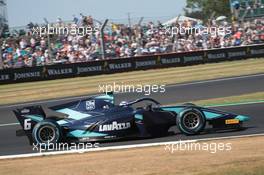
(58, 71)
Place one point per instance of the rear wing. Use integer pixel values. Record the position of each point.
(28, 117)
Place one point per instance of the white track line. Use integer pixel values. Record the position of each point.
(121, 147)
(168, 86)
(9, 124)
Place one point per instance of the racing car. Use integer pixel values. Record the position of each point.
(98, 118)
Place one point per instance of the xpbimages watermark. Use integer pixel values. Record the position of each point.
(201, 30)
(73, 30)
(198, 146)
(131, 88)
(80, 147)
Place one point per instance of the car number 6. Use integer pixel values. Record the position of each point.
(27, 124)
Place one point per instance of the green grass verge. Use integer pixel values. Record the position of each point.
(249, 169)
(240, 99)
(24, 92)
(255, 171)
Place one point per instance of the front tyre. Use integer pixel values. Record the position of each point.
(46, 132)
(191, 121)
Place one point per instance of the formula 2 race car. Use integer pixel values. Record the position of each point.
(99, 118)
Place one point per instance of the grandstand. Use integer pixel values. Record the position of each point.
(23, 47)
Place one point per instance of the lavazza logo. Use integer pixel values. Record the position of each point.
(114, 126)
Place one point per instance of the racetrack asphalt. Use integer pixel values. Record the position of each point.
(10, 144)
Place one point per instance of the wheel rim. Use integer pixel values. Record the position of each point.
(46, 134)
(191, 120)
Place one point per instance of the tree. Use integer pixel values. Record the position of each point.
(203, 9)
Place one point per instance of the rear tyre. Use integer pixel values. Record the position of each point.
(191, 121)
(46, 132)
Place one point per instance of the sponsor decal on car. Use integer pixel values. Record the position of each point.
(114, 126)
(231, 121)
(90, 105)
(24, 111)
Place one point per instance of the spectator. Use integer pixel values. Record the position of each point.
(123, 41)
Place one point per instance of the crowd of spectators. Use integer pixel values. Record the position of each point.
(29, 49)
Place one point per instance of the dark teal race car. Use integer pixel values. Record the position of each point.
(99, 118)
